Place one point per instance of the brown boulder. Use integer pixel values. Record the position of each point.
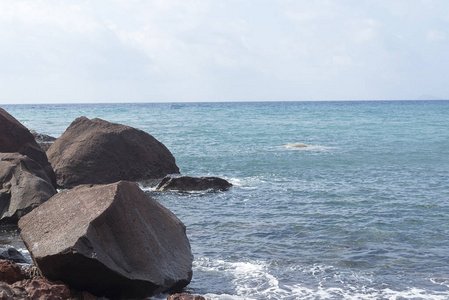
(98, 152)
(110, 240)
(10, 272)
(23, 186)
(187, 183)
(14, 137)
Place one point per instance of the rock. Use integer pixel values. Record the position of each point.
(35, 288)
(14, 137)
(12, 254)
(42, 138)
(185, 296)
(24, 186)
(98, 152)
(111, 240)
(10, 272)
(187, 183)
(45, 145)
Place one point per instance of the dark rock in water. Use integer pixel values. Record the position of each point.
(44, 141)
(23, 186)
(110, 240)
(185, 296)
(187, 183)
(42, 138)
(12, 254)
(97, 152)
(14, 137)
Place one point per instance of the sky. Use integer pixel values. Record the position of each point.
(222, 50)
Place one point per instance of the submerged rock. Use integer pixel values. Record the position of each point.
(110, 240)
(14, 137)
(24, 185)
(187, 183)
(98, 152)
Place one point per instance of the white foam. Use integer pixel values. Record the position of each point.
(252, 280)
(301, 146)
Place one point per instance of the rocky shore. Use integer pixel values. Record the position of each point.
(101, 236)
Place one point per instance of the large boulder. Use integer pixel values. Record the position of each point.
(187, 183)
(14, 137)
(111, 240)
(98, 152)
(24, 185)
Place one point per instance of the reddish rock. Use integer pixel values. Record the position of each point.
(98, 152)
(14, 137)
(41, 288)
(35, 288)
(187, 183)
(24, 185)
(110, 240)
(10, 272)
(185, 296)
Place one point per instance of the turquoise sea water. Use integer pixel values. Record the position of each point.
(362, 213)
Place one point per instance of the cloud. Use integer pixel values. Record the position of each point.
(204, 50)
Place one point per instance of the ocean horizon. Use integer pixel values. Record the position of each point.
(330, 199)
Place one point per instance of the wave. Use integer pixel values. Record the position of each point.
(253, 280)
(301, 146)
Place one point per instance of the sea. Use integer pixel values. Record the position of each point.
(330, 200)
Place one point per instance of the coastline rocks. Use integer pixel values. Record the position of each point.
(12, 254)
(10, 272)
(44, 141)
(187, 183)
(14, 137)
(23, 186)
(42, 138)
(99, 152)
(111, 240)
(35, 288)
(185, 296)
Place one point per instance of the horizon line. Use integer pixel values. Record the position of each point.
(226, 101)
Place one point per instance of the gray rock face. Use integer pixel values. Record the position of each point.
(187, 183)
(98, 152)
(14, 137)
(12, 254)
(24, 185)
(42, 138)
(110, 240)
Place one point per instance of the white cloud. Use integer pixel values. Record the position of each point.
(223, 50)
(436, 35)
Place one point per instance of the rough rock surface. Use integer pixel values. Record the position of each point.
(187, 183)
(185, 296)
(14, 137)
(45, 145)
(10, 272)
(110, 240)
(23, 186)
(35, 288)
(98, 152)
